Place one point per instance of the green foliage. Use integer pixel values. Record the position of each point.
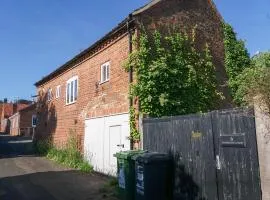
(134, 133)
(110, 189)
(255, 81)
(42, 146)
(173, 77)
(261, 60)
(68, 156)
(237, 59)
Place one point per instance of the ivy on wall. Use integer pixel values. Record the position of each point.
(172, 76)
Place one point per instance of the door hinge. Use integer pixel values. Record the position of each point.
(218, 164)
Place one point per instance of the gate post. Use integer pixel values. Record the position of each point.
(262, 119)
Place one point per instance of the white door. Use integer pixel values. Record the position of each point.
(103, 138)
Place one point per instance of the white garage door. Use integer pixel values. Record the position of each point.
(104, 137)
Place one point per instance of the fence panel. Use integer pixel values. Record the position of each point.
(190, 141)
(215, 154)
(236, 146)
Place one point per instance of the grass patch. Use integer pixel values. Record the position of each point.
(69, 155)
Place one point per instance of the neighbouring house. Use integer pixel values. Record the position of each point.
(23, 122)
(8, 109)
(1, 108)
(89, 95)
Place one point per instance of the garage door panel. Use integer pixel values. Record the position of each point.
(94, 136)
(103, 138)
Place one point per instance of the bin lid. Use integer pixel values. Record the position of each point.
(153, 157)
(128, 154)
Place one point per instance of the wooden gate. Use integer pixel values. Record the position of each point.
(215, 154)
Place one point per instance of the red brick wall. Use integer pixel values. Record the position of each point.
(14, 124)
(58, 119)
(26, 117)
(21, 122)
(185, 15)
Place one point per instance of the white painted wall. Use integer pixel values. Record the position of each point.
(103, 138)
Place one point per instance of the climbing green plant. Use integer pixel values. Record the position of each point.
(255, 81)
(237, 59)
(135, 134)
(172, 76)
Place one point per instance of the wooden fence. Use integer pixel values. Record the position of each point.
(215, 154)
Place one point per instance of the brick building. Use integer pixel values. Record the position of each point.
(7, 110)
(22, 123)
(88, 95)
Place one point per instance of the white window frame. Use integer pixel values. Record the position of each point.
(49, 94)
(58, 92)
(72, 92)
(106, 66)
(34, 117)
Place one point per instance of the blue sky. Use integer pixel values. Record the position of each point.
(37, 36)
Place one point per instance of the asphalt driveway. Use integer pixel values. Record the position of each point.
(24, 176)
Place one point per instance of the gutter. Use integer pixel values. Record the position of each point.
(130, 47)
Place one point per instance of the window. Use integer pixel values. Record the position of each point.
(58, 91)
(49, 95)
(34, 120)
(72, 90)
(105, 72)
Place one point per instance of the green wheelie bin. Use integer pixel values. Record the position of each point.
(126, 173)
(154, 176)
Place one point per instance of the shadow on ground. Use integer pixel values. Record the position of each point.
(66, 185)
(12, 146)
(25, 176)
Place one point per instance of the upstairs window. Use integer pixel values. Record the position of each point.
(34, 120)
(49, 95)
(105, 72)
(72, 90)
(58, 91)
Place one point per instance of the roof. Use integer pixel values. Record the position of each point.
(25, 108)
(81, 55)
(120, 27)
(145, 7)
(28, 107)
(8, 110)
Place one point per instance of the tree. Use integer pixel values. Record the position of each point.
(255, 81)
(237, 59)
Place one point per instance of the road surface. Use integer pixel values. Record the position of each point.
(24, 176)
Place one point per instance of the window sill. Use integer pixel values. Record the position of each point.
(104, 82)
(68, 104)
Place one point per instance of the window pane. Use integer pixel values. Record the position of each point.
(72, 92)
(108, 72)
(68, 86)
(76, 90)
(104, 73)
(58, 92)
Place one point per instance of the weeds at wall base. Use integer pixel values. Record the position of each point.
(68, 156)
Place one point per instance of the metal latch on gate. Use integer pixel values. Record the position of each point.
(121, 145)
(218, 165)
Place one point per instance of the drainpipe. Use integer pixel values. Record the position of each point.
(130, 51)
(130, 75)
